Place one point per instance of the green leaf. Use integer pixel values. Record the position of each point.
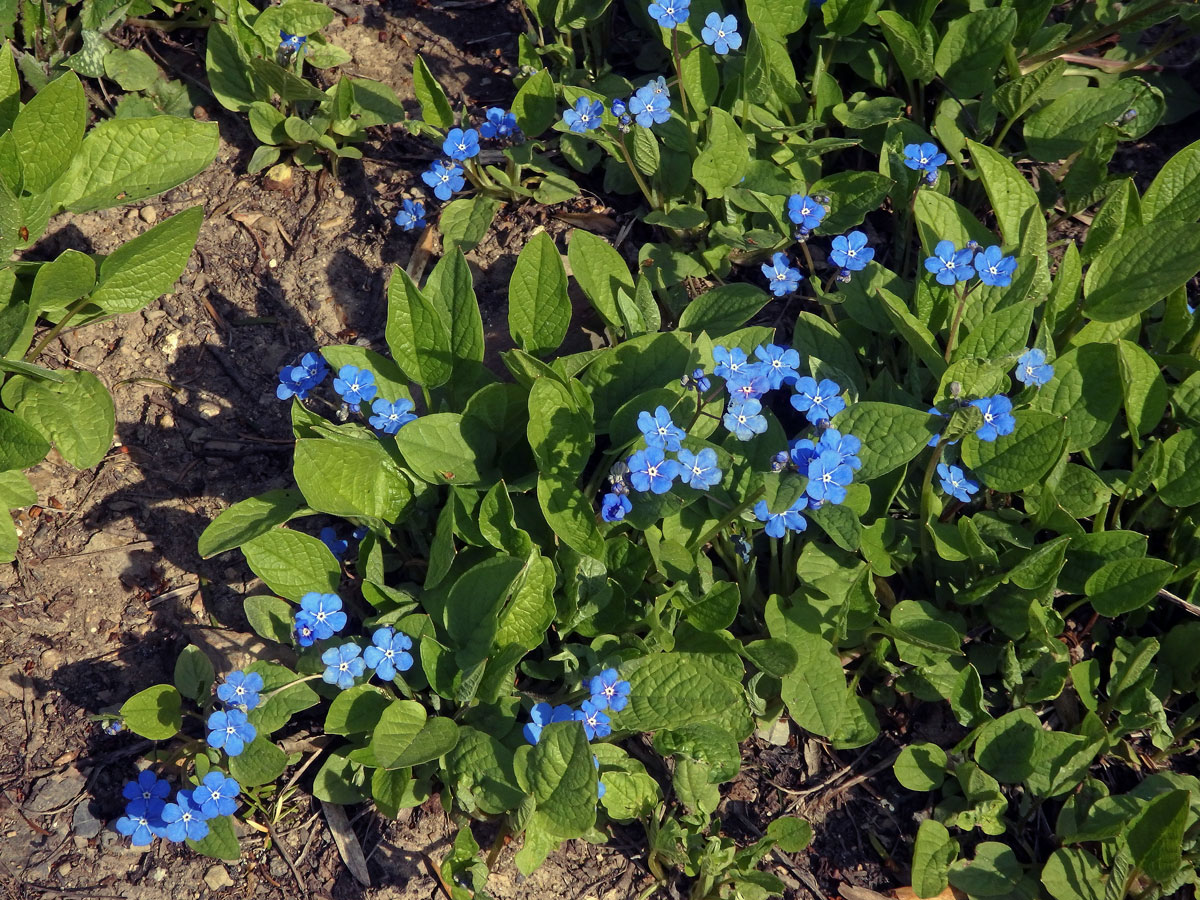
(1140, 268)
(270, 617)
(405, 738)
(1015, 203)
(776, 17)
(1005, 746)
(919, 339)
(49, 130)
(535, 106)
(15, 490)
(464, 222)
(133, 70)
(674, 690)
(451, 290)
(21, 445)
(482, 767)
(435, 108)
(891, 435)
(912, 48)
(142, 270)
(1068, 124)
(791, 834)
(350, 478)
(416, 334)
(972, 48)
(994, 872)
(854, 195)
(1000, 333)
(921, 767)
(1086, 391)
(1143, 386)
(247, 519)
(61, 282)
(194, 673)
(538, 308)
(1016, 461)
(624, 371)
(77, 415)
(302, 17)
(285, 696)
(562, 780)
(122, 160)
(10, 89)
(154, 713)
(292, 564)
(1124, 585)
(601, 273)
(723, 309)
(1015, 97)
(337, 781)
(1073, 875)
(940, 218)
(1178, 481)
(725, 156)
(261, 762)
(446, 448)
(1155, 837)
(1174, 195)
(227, 67)
(357, 710)
(221, 841)
(531, 610)
(933, 853)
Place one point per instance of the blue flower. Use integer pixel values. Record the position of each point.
(994, 267)
(697, 380)
(305, 627)
(744, 420)
(721, 34)
(650, 470)
(618, 107)
(614, 507)
(955, 482)
(933, 441)
(801, 452)
(241, 689)
(750, 383)
(359, 533)
(291, 43)
(699, 470)
(782, 278)
(391, 417)
(729, 361)
(997, 417)
(299, 380)
(216, 795)
(183, 820)
(343, 664)
(230, 730)
(651, 103)
(828, 476)
(609, 691)
(355, 385)
(411, 214)
(595, 722)
(142, 821)
(659, 431)
(844, 445)
(460, 145)
(850, 251)
(147, 787)
(818, 402)
(669, 13)
(500, 124)
(778, 362)
(336, 545)
(542, 715)
(445, 178)
(1032, 368)
(326, 612)
(806, 212)
(779, 524)
(586, 116)
(388, 654)
(948, 264)
(924, 158)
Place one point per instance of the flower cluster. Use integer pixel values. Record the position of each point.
(148, 814)
(291, 43)
(338, 546)
(950, 265)
(607, 691)
(354, 385)
(230, 729)
(447, 176)
(849, 252)
(320, 617)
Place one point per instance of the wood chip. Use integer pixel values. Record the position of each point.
(347, 842)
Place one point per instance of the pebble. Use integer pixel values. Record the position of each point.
(149, 215)
(339, 194)
(208, 409)
(218, 877)
(54, 791)
(83, 823)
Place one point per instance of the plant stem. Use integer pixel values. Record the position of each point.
(1090, 37)
(958, 314)
(637, 176)
(679, 72)
(926, 506)
(54, 332)
(724, 521)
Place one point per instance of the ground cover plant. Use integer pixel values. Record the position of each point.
(906, 453)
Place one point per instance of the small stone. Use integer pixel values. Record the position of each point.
(149, 215)
(218, 877)
(339, 194)
(55, 791)
(83, 823)
(158, 874)
(278, 178)
(208, 409)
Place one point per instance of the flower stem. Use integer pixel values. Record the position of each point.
(679, 71)
(637, 176)
(54, 332)
(724, 521)
(926, 506)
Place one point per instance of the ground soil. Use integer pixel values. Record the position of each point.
(108, 586)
